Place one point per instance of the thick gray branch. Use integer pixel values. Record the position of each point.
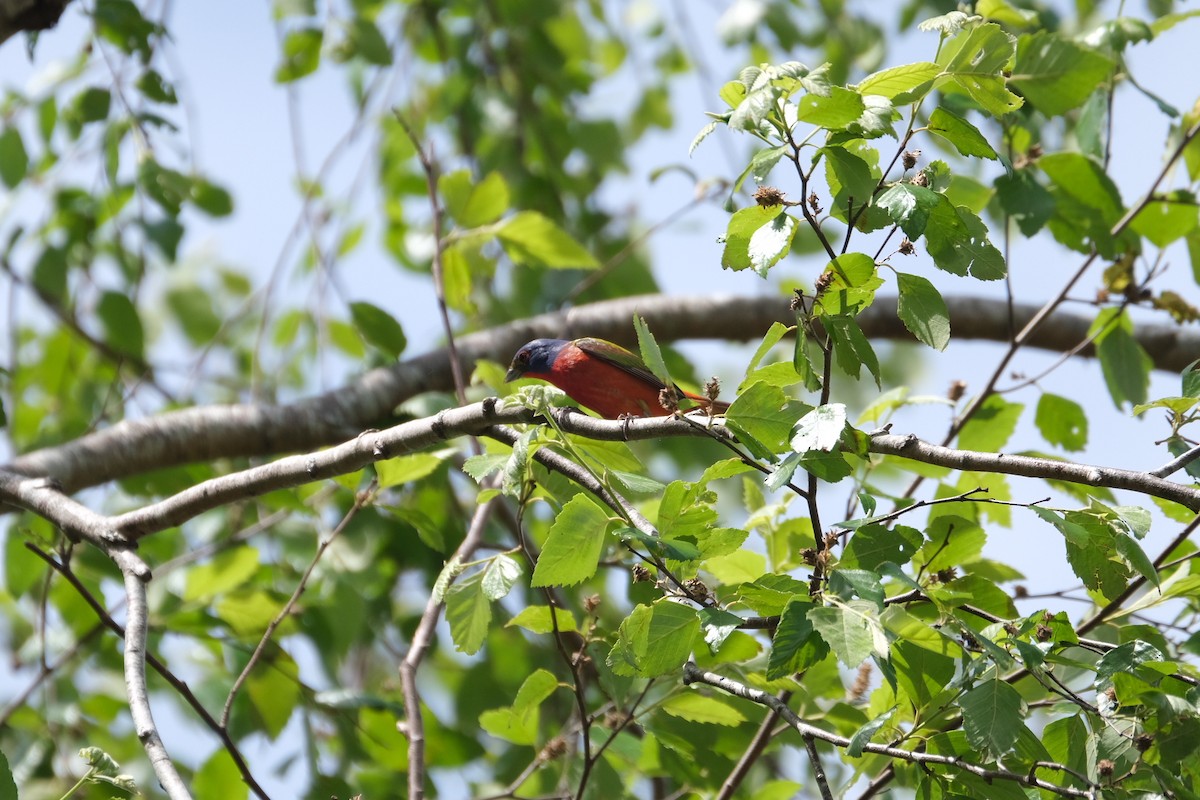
(208, 433)
(1030, 467)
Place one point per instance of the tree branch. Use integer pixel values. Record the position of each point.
(229, 431)
(693, 674)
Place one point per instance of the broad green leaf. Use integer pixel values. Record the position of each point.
(705, 709)
(122, 325)
(922, 310)
(820, 429)
(1168, 218)
(1062, 422)
(363, 39)
(958, 243)
(227, 570)
(797, 645)
(971, 64)
(210, 198)
(851, 346)
(301, 54)
(411, 468)
(1025, 200)
(769, 594)
(50, 273)
(906, 628)
(274, 690)
(739, 234)
(832, 112)
(469, 613)
(671, 549)
(921, 673)
(873, 544)
(850, 178)
(534, 691)
(654, 640)
(909, 206)
(572, 549)
(952, 542)
(851, 286)
(989, 430)
(8, 787)
(902, 84)
(472, 203)
(762, 417)
(965, 137)
(851, 629)
(992, 716)
(542, 619)
(14, 161)
(1126, 366)
(378, 328)
(1057, 74)
(532, 238)
(500, 575)
(1086, 182)
(193, 310)
(218, 776)
(771, 242)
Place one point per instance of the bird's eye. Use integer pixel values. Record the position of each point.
(522, 357)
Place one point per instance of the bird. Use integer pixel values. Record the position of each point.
(600, 375)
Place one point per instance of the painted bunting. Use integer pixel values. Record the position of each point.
(600, 375)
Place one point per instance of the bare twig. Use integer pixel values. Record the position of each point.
(1177, 464)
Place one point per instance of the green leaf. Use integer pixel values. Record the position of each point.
(833, 112)
(972, 62)
(154, 86)
(654, 640)
(484, 203)
(797, 645)
(301, 54)
(572, 549)
(274, 690)
(873, 544)
(965, 137)
(410, 468)
(852, 630)
(864, 734)
(122, 326)
(469, 612)
(1057, 74)
(851, 346)
(921, 673)
(364, 40)
(378, 328)
(1190, 378)
(14, 161)
(542, 619)
(1168, 218)
(989, 430)
(1025, 200)
(227, 570)
(193, 310)
(820, 429)
(1126, 366)
(762, 416)
(652, 355)
(740, 241)
(953, 541)
(922, 310)
(706, 710)
(992, 717)
(909, 206)
(903, 84)
(218, 776)
(1086, 182)
(50, 274)
(8, 787)
(958, 243)
(1062, 422)
(852, 286)
(771, 242)
(212, 199)
(499, 576)
(851, 178)
(92, 104)
(534, 239)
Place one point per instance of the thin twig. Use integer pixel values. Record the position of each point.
(1177, 464)
(361, 499)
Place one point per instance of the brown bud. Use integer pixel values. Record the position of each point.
(862, 681)
(1102, 295)
(554, 749)
(957, 389)
(909, 159)
(1046, 615)
(796, 303)
(970, 642)
(946, 575)
(767, 196)
(1020, 591)
(1035, 151)
(1010, 629)
(696, 588)
(668, 398)
(809, 556)
(814, 203)
(591, 603)
(712, 389)
(1143, 741)
(1043, 633)
(1105, 767)
(907, 248)
(823, 281)
(920, 179)
(641, 574)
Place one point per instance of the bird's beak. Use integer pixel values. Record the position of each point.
(512, 374)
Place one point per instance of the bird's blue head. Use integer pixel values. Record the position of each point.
(535, 358)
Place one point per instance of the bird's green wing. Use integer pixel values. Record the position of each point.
(619, 357)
